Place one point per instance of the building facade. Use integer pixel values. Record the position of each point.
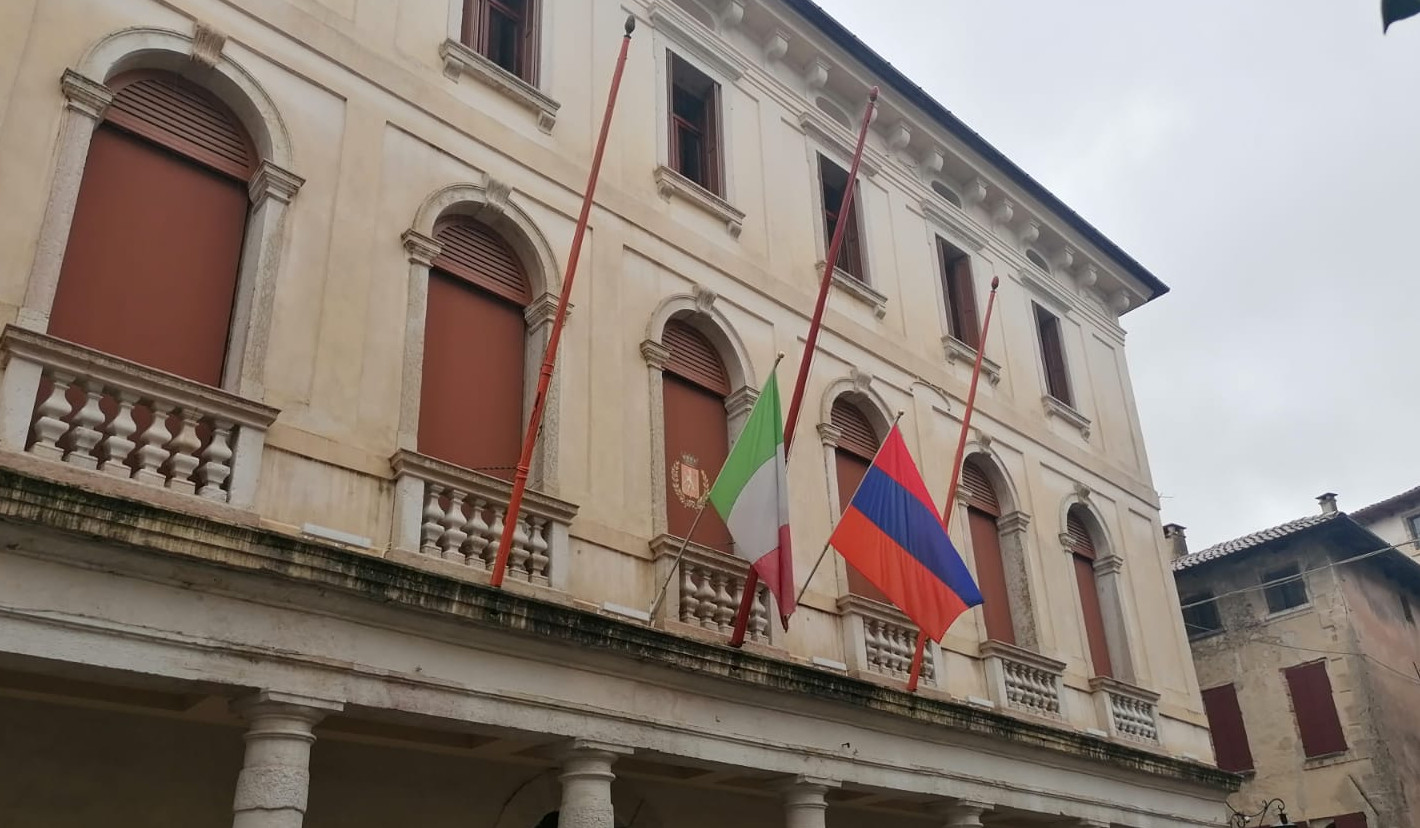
(1396, 520)
(278, 278)
(1306, 643)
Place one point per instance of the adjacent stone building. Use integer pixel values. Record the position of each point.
(1396, 520)
(1307, 646)
(277, 277)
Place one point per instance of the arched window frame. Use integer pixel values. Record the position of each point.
(201, 61)
(1109, 574)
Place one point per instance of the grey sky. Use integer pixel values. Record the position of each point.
(1262, 157)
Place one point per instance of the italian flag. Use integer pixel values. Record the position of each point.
(752, 495)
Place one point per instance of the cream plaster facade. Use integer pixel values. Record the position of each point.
(305, 592)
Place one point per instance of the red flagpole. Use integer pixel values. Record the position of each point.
(520, 479)
(947, 510)
(791, 420)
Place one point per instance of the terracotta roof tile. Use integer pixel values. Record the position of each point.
(1221, 550)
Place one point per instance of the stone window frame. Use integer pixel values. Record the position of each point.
(821, 143)
(699, 308)
(460, 59)
(1110, 582)
(495, 204)
(200, 59)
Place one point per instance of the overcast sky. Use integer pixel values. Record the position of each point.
(1262, 157)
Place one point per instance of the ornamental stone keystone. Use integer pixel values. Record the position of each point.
(704, 298)
(207, 45)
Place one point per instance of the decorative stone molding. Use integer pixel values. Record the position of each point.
(955, 222)
(806, 801)
(776, 46)
(880, 640)
(740, 403)
(667, 19)
(816, 74)
(422, 250)
(542, 310)
(1130, 712)
(1109, 565)
(963, 813)
(829, 434)
(859, 290)
(1056, 408)
(1016, 521)
(934, 161)
(655, 354)
(899, 136)
(1030, 232)
(705, 591)
(671, 183)
(974, 192)
(1120, 301)
(1064, 258)
(84, 95)
(1024, 681)
(1003, 213)
(271, 182)
(207, 45)
(1088, 275)
(831, 135)
(459, 61)
(704, 298)
(495, 195)
(1048, 290)
(862, 380)
(1082, 491)
(956, 350)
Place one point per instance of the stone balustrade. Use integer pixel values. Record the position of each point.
(880, 640)
(90, 410)
(1129, 712)
(706, 590)
(1024, 681)
(454, 514)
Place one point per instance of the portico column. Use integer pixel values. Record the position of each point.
(963, 813)
(586, 785)
(275, 777)
(804, 802)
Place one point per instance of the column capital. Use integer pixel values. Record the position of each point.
(655, 354)
(829, 434)
(85, 95)
(280, 703)
(963, 813)
(271, 181)
(807, 791)
(422, 249)
(1016, 521)
(1109, 565)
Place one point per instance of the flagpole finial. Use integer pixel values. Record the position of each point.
(995, 282)
(630, 24)
(873, 94)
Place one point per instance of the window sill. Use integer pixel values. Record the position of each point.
(859, 290)
(671, 183)
(1056, 408)
(958, 350)
(459, 60)
(1326, 760)
(1282, 614)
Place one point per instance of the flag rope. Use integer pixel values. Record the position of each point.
(791, 420)
(949, 508)
(827, 544)
(544, 380)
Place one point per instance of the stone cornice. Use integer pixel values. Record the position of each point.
(1057, 408)
(958, 350)
(818, 126)
(671, 183)
(459, 60)
(138, 527)
(711, 51)
(858, 289)
(955, 222)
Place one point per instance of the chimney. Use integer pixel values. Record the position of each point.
(1173, 533)
(1328, 503)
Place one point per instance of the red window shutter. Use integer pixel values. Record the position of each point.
(1052, 351)
(859, 437)
(150, 270)
(1095, 633)
(693, 358)
(472, 251)
(1315, 709)
(170, 112)
(1229, 731)
(851, 469)
(697, 443)
(471, 394)
(1349, 821)
(1081, 543)
(977, 490)
(991, 575)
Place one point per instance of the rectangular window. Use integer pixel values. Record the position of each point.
(505, 32)
(833, 180)
(1284, 588)
(1225, 721)
(1315, 709)
(1052, 353)
(1413, 524)
(959, 294)
(1200, 615)
(1344, 821)
(695, 125)
(1406, 610)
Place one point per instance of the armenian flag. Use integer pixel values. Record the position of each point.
(892, 534)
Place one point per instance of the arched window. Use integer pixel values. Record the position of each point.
(983, 508)
(150, 270)
(1082, 555)
(471, 393)
(947, 193)
(694, 385)
(1038, 260)
(853, 456)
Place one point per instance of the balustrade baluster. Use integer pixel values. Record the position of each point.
(85, 435)
(451, 542)
(477, 532)
(50, 425)
(215, 470)
(116, 446)
(705, 593)
(689, 600)
(759, 616)
(724, 604)
(539, 561)
(152, 454)
(182, 460)
(433, 526)
(518, 556)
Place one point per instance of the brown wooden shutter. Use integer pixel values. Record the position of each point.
(991, 575)
(471, 393)
(1349, 821)
(1095, 634)
(472, 251)
(1052, 351)
(173, 113)
(150, 269)
(977, 490)
(694, 358)
(960, 295)
(859, 438)
(1229, 731)
(697, 443)
(1315, 709)
(1081, 543)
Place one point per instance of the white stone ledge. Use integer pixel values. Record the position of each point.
(671, 183)
(459, 60)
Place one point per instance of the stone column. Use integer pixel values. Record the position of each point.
(805, 805)
(963, 813)
(656, 356)
(275, 777)
(586, 785)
